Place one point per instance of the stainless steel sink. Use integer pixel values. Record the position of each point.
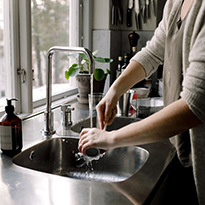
(59, 156)
(117, 123)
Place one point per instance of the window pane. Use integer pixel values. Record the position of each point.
(50, 27)
(2, 76)
(5, 83)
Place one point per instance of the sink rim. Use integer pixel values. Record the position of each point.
(126, 121)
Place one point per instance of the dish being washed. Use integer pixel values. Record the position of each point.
(93, 153)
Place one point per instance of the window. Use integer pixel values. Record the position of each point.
(51, 21)
(28, 28)
(50, 27)
(2, 76)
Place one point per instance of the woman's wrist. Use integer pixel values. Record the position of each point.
(114, 91)
(113, 139)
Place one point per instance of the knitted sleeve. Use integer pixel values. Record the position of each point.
(194, 81)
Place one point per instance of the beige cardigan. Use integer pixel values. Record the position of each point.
(193, 52)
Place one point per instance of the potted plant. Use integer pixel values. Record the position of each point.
(81, 71)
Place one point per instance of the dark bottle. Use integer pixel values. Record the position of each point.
(119, 66)
(126, 62)
(10, 131)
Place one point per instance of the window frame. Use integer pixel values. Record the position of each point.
(59, 96)
(25, 56)
(11, 50)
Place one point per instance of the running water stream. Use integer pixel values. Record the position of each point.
(88, 159)
(91, 100)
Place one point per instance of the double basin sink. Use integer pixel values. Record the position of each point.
(58, 156)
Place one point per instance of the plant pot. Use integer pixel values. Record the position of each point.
(83, 82)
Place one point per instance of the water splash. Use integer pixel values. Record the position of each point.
(87, 160)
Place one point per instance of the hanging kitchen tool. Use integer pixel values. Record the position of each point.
(152, 3)
(117, 15)
(114, 13)
(144, 12)
(129, 12)
(120, 11)
(137, 14)
(147, 9)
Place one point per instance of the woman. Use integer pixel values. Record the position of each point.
(179, 44)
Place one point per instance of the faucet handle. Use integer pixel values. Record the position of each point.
(66, 118)
(66, 108)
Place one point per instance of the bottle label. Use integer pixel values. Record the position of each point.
(6, 137)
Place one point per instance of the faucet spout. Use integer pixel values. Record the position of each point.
(48, 114)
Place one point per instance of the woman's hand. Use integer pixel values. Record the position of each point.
(106, 110)
(93, 137)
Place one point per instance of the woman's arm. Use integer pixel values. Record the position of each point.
(173, 119)
(106, 109)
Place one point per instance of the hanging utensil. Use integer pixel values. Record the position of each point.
(129, 13)
(144, 12)
(147, 9)
(137, 14)
(114, 14)
(120, 11)
(152, 2)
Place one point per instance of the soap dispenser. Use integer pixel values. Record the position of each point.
(10, 131)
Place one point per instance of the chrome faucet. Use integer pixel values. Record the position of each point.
(66, 118)
(48, 114)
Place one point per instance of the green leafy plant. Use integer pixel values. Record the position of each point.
(83, 66)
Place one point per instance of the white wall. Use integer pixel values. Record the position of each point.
(101, 14)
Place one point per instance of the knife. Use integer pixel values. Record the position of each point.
(119, 11)
(129, 13)
(147, 9)
(114, 14)
(144, 12)
(153, 6)
(137, 14)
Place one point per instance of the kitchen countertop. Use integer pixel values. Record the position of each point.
(19, 186)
